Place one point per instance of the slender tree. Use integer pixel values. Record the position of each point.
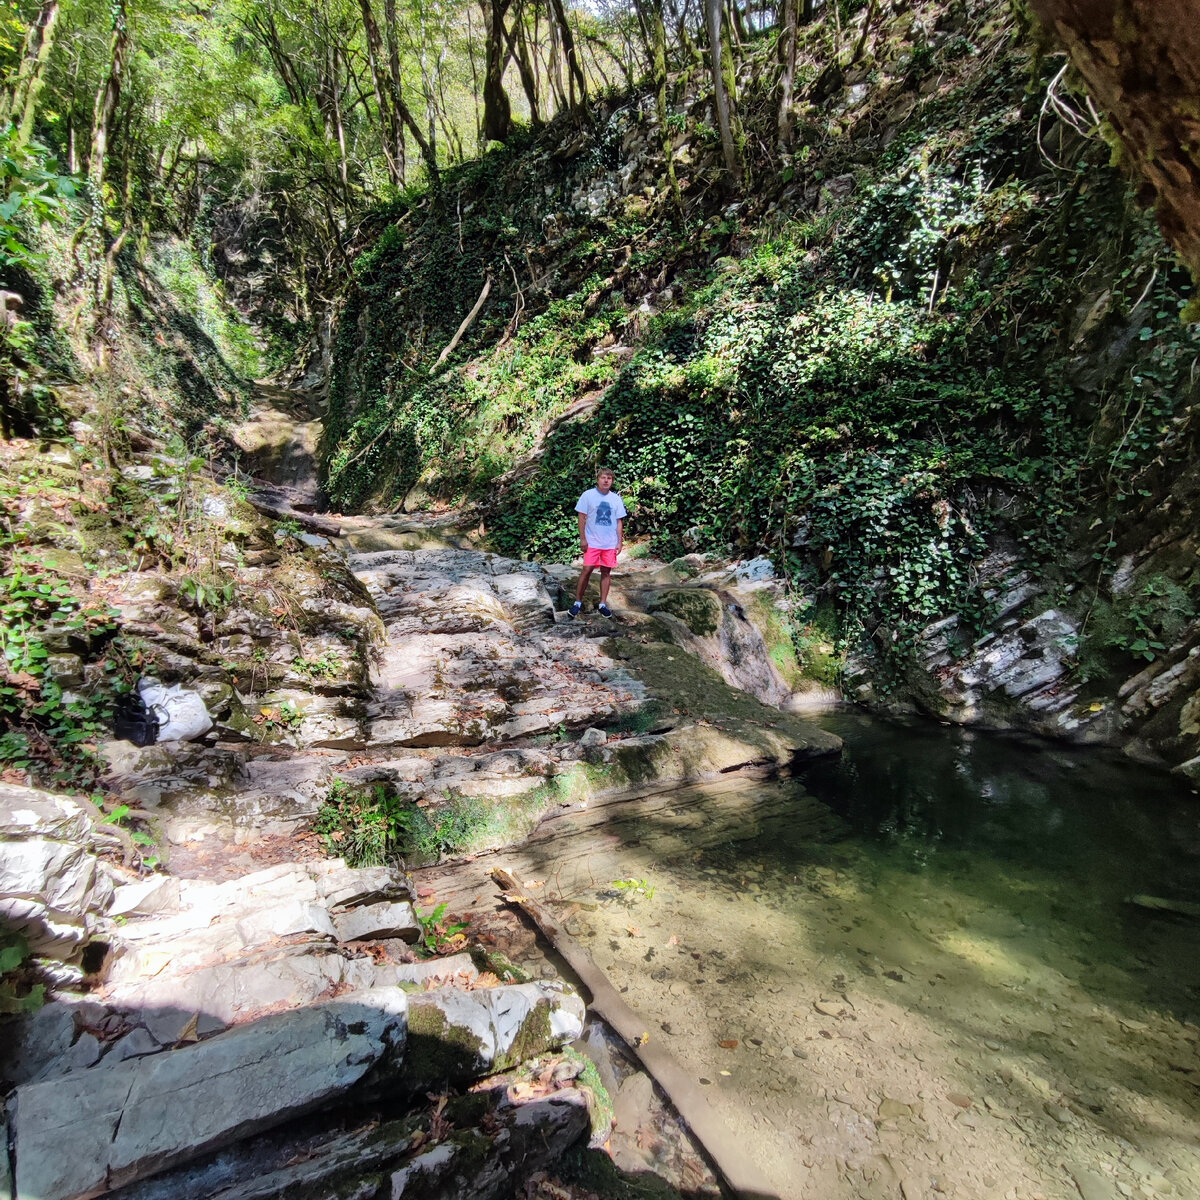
(787, 69)
(497, 111)
(722, 100)
(19, 103)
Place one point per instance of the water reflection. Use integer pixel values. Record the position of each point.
(1054, 839)
(1103, 822)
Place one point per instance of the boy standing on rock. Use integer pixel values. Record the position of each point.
(602, 532)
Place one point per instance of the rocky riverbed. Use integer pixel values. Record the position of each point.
(245, 1014)
(233, 1010)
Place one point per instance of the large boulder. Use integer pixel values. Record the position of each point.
(458, 1034)
(91, 1131)
(134, 1119)
(53, 889)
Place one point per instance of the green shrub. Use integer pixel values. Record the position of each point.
(16, 995)
(356, 823)
(371, 826)
(43, 730)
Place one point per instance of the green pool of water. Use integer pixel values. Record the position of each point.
(919, 961)
(1039, 830)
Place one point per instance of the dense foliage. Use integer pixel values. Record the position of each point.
(851, 284)
(965, 343)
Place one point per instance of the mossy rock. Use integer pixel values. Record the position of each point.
(683, 568)
(600, 1105)
(724, 715)
(698, 608)
(438, 1049)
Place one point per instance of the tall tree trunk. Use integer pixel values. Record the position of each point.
(497, 112)
(554, 66)
(262, 26)
(787, 72)
(104, 111)
(387, 114)
(20, 104)
(737, 25)
(656, 28)
(338, 121)
(712, 17)
(684, 37)
(535, 42)
(428, 152)
(519, 49)
(576, 82)
(427, 90)
(474, 77)
(393, 45)
(108, 96)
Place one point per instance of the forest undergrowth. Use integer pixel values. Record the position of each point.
(942, 325)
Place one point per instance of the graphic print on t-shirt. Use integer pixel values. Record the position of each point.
(604, 512)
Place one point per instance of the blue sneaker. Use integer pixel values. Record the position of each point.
(604, 610)
(575, 609)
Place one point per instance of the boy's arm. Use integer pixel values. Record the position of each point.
(620, 533)
(582, 523)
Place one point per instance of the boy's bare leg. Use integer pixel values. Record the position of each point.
(605, 580)
(583, 582)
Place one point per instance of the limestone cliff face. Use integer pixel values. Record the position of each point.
(1141, 61)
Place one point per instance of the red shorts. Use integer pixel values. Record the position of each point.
(594, 557)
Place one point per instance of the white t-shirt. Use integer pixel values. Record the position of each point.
(604, 510)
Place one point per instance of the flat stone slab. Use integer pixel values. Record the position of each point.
(91, 1131)
(395, 920)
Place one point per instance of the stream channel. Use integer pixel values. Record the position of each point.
(912, 971)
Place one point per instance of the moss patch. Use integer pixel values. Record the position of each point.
(600, 1108)
(777, 634)
(725, 717)
(697, 608)
(437, 1050)
(802, 644)
(533, 1038)
(499, 964)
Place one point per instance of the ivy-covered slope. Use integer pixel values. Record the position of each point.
(941, 328)
(107, 461)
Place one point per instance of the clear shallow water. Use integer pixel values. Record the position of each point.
(919, 962)
(1088, 829)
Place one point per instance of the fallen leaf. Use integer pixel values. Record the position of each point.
(728, 1044)
(191, 1031)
